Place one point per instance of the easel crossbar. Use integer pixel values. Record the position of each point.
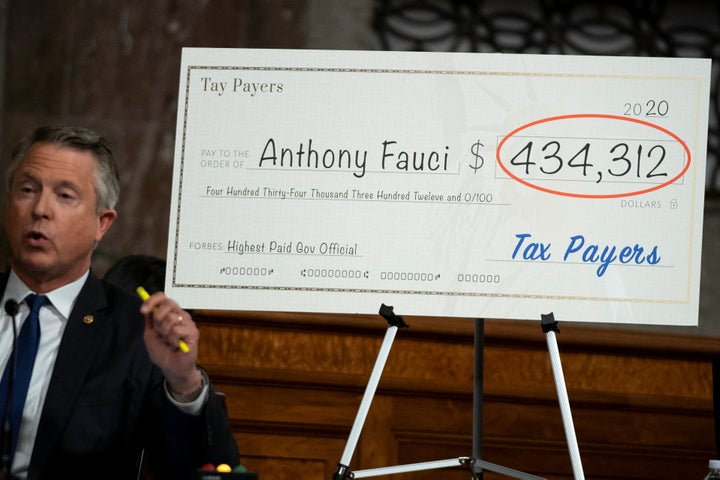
(478, 465)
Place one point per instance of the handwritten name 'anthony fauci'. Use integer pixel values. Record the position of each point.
(391, 157)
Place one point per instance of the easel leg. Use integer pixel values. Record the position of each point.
(394, 322)
(550, 327)
(478, 394)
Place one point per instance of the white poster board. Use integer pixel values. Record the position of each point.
(444, 184)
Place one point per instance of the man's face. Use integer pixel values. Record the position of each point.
(51, 220)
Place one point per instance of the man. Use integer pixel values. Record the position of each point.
(110, 384)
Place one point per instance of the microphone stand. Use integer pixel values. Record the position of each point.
(11, 308)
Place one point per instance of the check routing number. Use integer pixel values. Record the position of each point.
(443, 184)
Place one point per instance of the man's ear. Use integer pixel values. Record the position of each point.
(105, 220)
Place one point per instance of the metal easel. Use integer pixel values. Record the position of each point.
(474, 463)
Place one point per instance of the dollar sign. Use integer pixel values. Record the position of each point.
(475, 150)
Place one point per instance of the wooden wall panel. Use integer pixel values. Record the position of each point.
(294, 383)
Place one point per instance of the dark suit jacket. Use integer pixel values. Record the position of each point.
(106, 402)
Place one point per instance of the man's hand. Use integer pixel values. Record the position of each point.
(171, 339)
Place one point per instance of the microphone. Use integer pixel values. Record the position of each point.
(11, 308)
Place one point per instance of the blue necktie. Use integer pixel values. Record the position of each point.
(27, 345)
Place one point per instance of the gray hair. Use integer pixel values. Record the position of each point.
(107, 180)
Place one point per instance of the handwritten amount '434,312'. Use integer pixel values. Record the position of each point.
(624, 160)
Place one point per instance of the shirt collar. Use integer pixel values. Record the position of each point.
(63, 298)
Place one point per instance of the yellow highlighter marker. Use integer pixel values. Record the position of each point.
(145, 295)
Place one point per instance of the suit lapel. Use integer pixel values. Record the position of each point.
(83, 335)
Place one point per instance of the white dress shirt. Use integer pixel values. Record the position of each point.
(53, 319)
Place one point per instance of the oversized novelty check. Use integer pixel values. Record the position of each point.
(442, 184)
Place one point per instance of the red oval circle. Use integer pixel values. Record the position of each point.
(592, 115)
